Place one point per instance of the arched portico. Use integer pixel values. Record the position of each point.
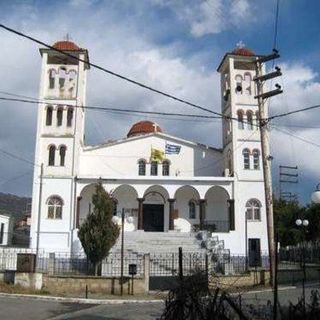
(84, 203)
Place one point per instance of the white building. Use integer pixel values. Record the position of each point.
(6, 230)
(201, 185)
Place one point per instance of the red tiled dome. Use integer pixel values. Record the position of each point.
(143, 127)
(243, 52)
(66, 46)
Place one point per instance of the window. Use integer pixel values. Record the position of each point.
(49, 116)
(238, 84)
(247, 83)
(142, 167)
(51, 78)
(229, 162)
(62, 77)
(62, 152)
(1, 233)
(240, 119)
(256, 159)
(59, 116)
(192, 209)
(154, 168)
(253, 210)
(166, 168)
(69, 117)
(249, 120)
(246, 158)
(52, 152)
(55, 204)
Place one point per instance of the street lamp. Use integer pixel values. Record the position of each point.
(304, 223)
(315, 197)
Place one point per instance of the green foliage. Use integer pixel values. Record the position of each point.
(286, 213)
(99, 233)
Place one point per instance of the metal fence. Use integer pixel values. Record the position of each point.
(309, 254)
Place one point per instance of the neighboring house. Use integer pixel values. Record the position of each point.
(155, 177)
(6, 230)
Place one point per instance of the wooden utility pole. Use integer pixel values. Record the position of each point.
(265, 149)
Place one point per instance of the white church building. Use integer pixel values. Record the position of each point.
(165, 184)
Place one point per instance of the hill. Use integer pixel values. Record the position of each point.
(13, 205)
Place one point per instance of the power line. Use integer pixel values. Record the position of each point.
(36, 101)
(14, 156)
(293, 112)
(112, 72)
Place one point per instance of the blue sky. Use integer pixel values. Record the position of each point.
(174, 45)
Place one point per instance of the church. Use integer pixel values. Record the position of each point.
(163, 184)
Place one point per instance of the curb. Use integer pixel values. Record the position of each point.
(76, 300)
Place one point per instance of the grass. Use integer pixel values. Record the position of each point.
(10, 288)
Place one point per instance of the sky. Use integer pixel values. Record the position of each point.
(174, 46)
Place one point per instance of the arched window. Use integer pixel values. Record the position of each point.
(62, 77)
(62, 152)
(240, 119)
(142, 167)
(257, 120)
(51, 78)
(49, 116)
(69, 117)
(59, 116)
(253, 210)
(52, 153)
(154, 168)
(55, 205)
(247, 83)
(192, 209)
(246, 158)
(229, 162)
(238, 84)
(166, 168)
(256, 159)
(249, 120)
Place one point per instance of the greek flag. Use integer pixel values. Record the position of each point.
(172, 148)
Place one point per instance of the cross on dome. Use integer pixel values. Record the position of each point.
(240, 44)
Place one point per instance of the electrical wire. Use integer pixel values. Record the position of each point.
(14, 156)
(285, 114)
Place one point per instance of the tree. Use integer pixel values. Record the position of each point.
(99, 233)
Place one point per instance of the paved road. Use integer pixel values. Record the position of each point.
(30, 309)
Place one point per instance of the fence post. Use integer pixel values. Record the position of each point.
(51, 263)
(180, 264)
(146, 272)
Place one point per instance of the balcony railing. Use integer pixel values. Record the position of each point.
(214, 226)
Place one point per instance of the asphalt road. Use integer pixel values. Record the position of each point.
(30, 309)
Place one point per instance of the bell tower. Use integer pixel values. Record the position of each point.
(61, 117)
(241, 134)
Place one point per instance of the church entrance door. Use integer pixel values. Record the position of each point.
(153, 217)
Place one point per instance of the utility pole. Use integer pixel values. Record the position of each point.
(39, 213)
(265, 147)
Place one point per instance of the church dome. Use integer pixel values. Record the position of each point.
(66, 45)
(143, 127)
(243, 52)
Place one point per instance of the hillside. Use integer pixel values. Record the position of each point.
(13, 205)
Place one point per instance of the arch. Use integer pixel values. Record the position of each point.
(257, 120)
(142, 167)
(59, 116)
(216, 209)
(62, 153)
(238, 88)
(52, 74)
(52, 154)
(85, 203)
(253, 210)
(246, 158)
(156, 193)
(187, 198)
(49, 113)
(55, 205)
(166, 167)
(62, 76)
(240, 114)
(256, 159)
(250, 120)
(69, 116)
(247, 80)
